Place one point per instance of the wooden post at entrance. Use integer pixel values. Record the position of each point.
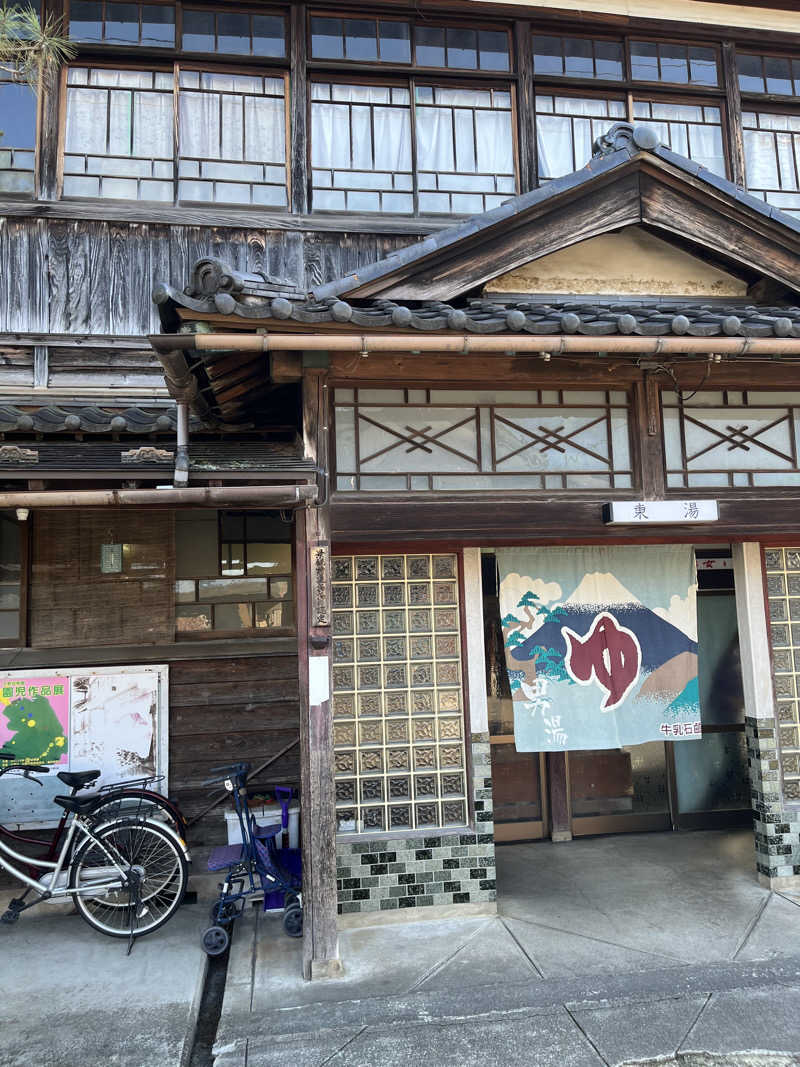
(560, 817)
(320, 935)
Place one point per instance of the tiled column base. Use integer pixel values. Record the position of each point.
(777, 831)
(438, 868)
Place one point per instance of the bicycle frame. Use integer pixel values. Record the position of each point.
(52, 889)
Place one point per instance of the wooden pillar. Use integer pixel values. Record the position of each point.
(320, 935)
(733, 112)
(560, 814)
(648, 447)
(298, 157)
(526, 107)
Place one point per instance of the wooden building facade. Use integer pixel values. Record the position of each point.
(310, 503)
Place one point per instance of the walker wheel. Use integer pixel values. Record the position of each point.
(293, 920)
(215, 940)
(222, 914)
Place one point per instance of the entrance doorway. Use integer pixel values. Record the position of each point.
(660, 785)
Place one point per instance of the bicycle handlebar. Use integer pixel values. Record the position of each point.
(229, 770)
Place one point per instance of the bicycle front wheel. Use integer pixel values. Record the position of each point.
(129, 880)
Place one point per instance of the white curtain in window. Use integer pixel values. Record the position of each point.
(392, 139)
(199, 125)
(232, 128)
(760, 163)
(495, 142)
(86, 121)
(152, 126)
(705, 147)
(330, 135)
(265, 134)
(554, 145)
(435, 139)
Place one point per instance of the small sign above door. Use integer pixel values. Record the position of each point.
(659, 512)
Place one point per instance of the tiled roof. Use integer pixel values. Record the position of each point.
(535, 316)
(89, 418)
(141, 457)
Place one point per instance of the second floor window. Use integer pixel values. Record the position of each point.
(121, 140)
(364, 157)
(17, 136)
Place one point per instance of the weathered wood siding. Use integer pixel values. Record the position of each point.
(224, 710)
(89, 277)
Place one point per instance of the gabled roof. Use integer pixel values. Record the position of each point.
(631, 180)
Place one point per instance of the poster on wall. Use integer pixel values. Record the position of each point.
(111, 719)
(600, 645)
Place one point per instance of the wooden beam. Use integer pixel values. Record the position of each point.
(497, 517)
(729, 229)
(320, 935)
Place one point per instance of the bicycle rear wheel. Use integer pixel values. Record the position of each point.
(109, 901)
(141, 804)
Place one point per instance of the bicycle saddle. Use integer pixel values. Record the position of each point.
(81, 805)
(77, 779)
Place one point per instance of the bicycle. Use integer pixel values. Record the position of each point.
(126, 877)
(131, 799)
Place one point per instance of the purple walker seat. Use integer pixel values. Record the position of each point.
(225, 856)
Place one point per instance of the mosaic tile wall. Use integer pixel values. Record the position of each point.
(440, 867)
(774, 744)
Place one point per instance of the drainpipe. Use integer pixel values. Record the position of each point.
(266, 496)
(181, 476)
(465, 344)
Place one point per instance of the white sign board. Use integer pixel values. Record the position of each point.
(659, 512)
(111, 719)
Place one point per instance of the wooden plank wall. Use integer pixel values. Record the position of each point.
(225, 710)
(89, 277)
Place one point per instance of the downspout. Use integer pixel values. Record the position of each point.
(181, 476)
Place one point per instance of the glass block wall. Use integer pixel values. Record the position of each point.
(398, 729)
(783, 592)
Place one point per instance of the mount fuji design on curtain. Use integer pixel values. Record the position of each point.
(600, 645)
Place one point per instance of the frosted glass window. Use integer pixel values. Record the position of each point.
(465, 153)
(772, 158)
(732, 439)
(17, 136)
(232, 136)
(566, 129)
(119, 134)
(361, 148)
(487, 440)
(361, 151)
(691, 130)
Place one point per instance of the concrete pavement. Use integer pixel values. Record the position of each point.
(607, 951)
(70, 997)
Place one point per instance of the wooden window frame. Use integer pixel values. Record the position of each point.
(439, 22)
(132, 53)
(245, 633)
(751, 95)
(175, 67)
(409, 82)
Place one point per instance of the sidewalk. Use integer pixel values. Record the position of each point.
(72, 998)
(607, 951)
